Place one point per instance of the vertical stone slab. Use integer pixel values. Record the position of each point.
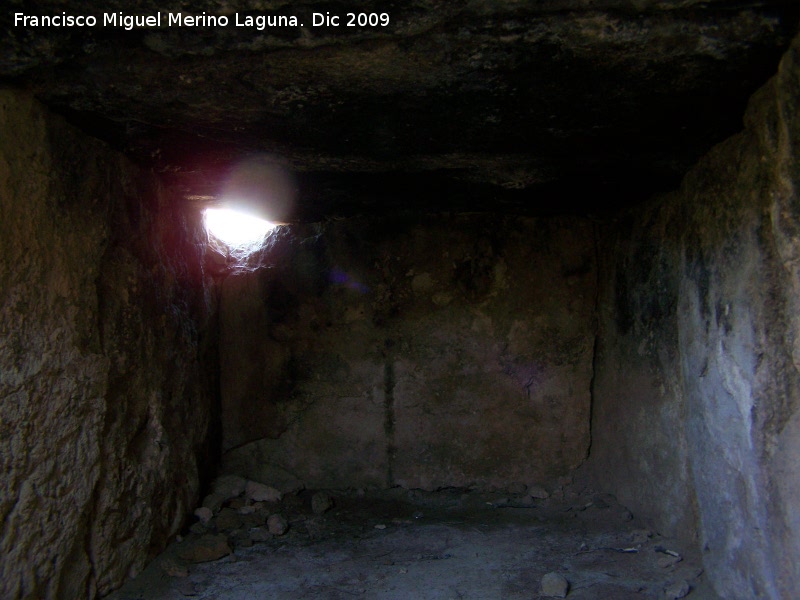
(104, 405)
(698, 352)
(640, 449)
(739, 325)
(427, 353)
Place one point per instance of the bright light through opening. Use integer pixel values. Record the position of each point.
(236, 229)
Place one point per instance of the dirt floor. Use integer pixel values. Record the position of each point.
(400, 544)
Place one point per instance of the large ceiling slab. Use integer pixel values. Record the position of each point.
(536, 107)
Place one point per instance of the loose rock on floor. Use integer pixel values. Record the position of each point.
(432, 546)
(555, 585)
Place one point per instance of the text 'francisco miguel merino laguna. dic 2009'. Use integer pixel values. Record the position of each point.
(178, 19)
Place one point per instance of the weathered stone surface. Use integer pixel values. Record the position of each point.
(371, 382)
(104, 409)
(697, 398)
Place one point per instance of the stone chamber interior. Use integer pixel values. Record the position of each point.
(532, 307)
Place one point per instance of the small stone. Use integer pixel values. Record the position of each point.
(537, 491)
(517, 488)
(666, 560)
(321, 502)
(258, 492)
(555, 585)
(247, 510)
(207, 548)
(277, 525)
(204, 514)
(228, 519)
(380, 526)
(198, 528)
(229, 486)
(260, 534)
(173, 568)
(677, 590)
(213, 502)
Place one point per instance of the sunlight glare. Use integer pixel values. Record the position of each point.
(236, 229)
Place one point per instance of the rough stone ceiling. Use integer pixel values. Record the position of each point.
(537, 107)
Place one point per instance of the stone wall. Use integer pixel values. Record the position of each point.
(441, 351)
(639, 440)
(104, 407)
(696, 401)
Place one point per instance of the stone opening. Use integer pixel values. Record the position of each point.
(237, 230)
(448, 373)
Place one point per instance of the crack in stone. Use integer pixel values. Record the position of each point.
(389, 383)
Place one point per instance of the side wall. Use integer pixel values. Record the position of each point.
(104, 407)
(639, 443)
(697, 405)
(443, 351)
